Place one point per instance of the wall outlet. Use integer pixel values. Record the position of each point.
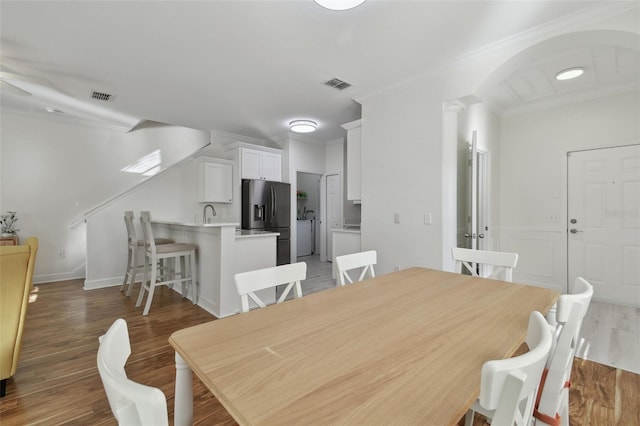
(62, 255)
(396, 267)
(396, 218)
(427, 219)
(554, 219)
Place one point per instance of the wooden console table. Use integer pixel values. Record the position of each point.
(9, 241)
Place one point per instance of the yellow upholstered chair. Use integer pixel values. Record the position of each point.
(16, 281)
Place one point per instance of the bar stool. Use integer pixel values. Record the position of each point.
(133, 246)
(183, 252)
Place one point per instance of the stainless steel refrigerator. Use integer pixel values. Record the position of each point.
(266, 206)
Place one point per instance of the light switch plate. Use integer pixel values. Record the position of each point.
(396, 218)
(427, 219)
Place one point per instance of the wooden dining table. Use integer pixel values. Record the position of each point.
(403, 348)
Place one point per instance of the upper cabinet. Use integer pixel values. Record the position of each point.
(215, 181)
(256, 164)
(354, 160)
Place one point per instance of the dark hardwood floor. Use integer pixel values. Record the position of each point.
(57, 381)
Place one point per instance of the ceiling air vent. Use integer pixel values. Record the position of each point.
(337, 83)
(101, 96)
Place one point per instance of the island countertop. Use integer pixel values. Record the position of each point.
(253, 233)
(193, 224)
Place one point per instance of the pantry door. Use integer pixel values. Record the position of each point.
(603, 235)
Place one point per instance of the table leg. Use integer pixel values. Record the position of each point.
(183, 405)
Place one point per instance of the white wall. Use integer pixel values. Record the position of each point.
(54, 169)
(401, 173)
(533, 176)
(406, 166)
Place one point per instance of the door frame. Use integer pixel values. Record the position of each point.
(324, 241)
(564, 214)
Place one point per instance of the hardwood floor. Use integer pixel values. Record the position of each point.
(57, 381)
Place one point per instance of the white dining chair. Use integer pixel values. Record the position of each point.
(156, 274)
(364, 260)
(569, 313)
(247, 283)
(500, 262)
(133, 246)
(552, 403)
(581, 291)
(132, 403)
(508, 386)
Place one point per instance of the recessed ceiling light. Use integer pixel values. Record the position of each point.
(303, 126)
(339, 4)
(570, 73)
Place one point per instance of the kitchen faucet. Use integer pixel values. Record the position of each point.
(204, 213)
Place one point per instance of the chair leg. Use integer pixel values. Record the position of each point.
(183, 275)
(468, 418)
(134, 260)
(128, 270)
(3, 387)
(152, 287)
(143, 285)
(192, 274)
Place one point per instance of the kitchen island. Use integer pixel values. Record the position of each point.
(343, 241)
(223, 251)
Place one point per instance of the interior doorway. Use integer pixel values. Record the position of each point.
(308, 210)
(473, 214)
(472, 191)
(603, 221)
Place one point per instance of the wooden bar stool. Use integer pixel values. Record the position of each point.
(133, 246)
(183, 253)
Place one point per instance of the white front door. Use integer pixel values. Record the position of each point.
(334, 209)
(604, 222)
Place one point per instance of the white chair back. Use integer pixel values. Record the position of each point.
(348, 262)
(581, 292)
(508, 386)
(502, 262)
(569, 313)
(131, 403)
(131, 230)
(147, 231)
(249, 282)
(552, 405)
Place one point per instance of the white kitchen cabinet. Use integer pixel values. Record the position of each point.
(354, 160)
(215, 182)
(264, 165)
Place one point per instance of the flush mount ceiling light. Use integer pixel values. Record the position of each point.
(570, 73)
(303, 126)
(339, 4)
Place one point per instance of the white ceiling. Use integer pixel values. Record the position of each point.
(250, 67)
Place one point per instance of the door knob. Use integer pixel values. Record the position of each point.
(574, 231)
(480, 235)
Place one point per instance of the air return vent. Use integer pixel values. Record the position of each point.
(337, 83)
(101, 96)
